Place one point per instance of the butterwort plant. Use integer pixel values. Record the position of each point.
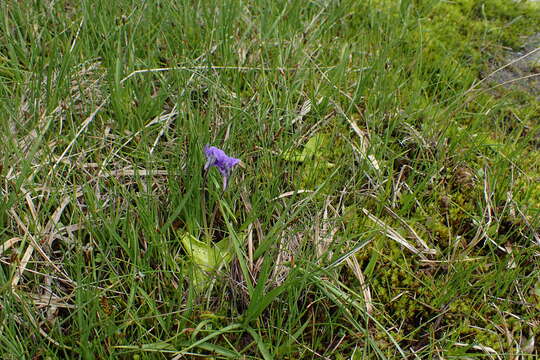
(208, 256)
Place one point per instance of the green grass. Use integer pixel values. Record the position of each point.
(387, 205)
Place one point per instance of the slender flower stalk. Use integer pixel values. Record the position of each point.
(215, 157)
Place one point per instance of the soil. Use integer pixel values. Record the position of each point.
(523, 74)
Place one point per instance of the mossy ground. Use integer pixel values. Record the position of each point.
(422, 301)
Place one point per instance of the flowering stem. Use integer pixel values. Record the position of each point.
(203, 206)
(215, 157)
(214, 214)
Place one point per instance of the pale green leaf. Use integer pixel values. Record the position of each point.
(314, 145)
(205, 257)
(295, 156)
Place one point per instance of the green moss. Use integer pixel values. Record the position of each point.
(458, 42)
(395, 285)
(455, 37)
(532, 200)
(408, 294)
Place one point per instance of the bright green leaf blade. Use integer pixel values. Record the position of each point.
(314, 145)
(295, 156)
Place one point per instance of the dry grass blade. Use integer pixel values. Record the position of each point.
(257, 225)
(363, 138)
(51, 224)
(485, 349)
(250, 247)
(83, 127)
(481, 232)
(353, 264)
(8, 244)
(291, 193)
(40, 330)
(30, 248)
(528, 344)
(22, 266)
(393, 234)
(132, 172)
(419, 240)
(35, 246)
(323, 235)
(362, 135)
(221, 67)
(304, 110)
(289, 247)
(531, 228)
(168, 118)
(30, 204)
(51, 300)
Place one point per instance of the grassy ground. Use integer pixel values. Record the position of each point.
(387, 205)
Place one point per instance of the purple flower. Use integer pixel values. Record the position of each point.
(217, 157)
